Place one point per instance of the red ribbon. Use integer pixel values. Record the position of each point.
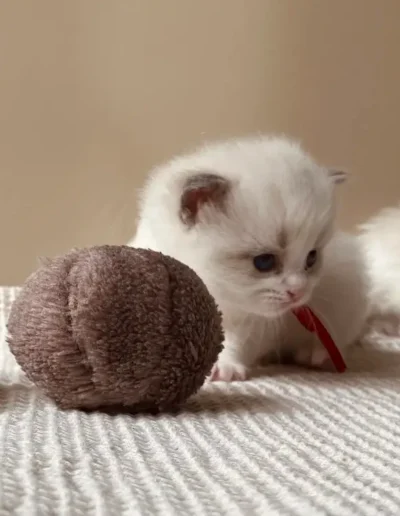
(310, 321)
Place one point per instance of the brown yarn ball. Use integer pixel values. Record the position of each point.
(114, 326)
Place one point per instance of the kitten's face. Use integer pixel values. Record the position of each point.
(271, 278)
(260, 238)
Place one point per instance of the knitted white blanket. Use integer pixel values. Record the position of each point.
(292, 442)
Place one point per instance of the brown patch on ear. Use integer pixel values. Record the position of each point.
(199, 190)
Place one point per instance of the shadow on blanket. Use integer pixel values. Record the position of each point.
(366, 361)
(368, 366)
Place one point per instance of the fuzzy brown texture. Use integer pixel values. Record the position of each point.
(113, 326)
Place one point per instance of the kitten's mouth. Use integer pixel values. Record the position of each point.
(291, 304)
(272, 306)
(279, 308)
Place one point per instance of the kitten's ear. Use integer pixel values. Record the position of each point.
(337, 176)
(201, 189)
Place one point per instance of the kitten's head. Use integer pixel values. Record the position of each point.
(256, 216)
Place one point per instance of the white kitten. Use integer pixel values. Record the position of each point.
(254, 218)
(380, 239)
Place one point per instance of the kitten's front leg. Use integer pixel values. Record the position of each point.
(305, 347)
(235, 360)
(314, 356)
(229, 367)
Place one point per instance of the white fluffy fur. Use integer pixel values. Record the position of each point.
(380, 239)
(280, 201)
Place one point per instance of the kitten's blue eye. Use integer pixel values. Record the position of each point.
(311, 259)
(265, 262)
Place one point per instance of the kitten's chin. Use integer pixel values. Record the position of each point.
(270, 312)
(278, 309)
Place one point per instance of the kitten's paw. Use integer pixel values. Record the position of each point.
(386, 325)
(229, 372)
(315, 358)
(302, 356)
(320, 359)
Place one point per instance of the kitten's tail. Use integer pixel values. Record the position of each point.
(379, 238)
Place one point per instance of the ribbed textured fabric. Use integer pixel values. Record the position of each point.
(291, 443)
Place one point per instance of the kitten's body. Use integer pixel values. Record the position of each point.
(380, 240)
(222, 206)
(338, 298)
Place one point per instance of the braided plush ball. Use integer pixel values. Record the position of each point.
(115, 327)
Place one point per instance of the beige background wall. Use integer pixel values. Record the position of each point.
(95, 92)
